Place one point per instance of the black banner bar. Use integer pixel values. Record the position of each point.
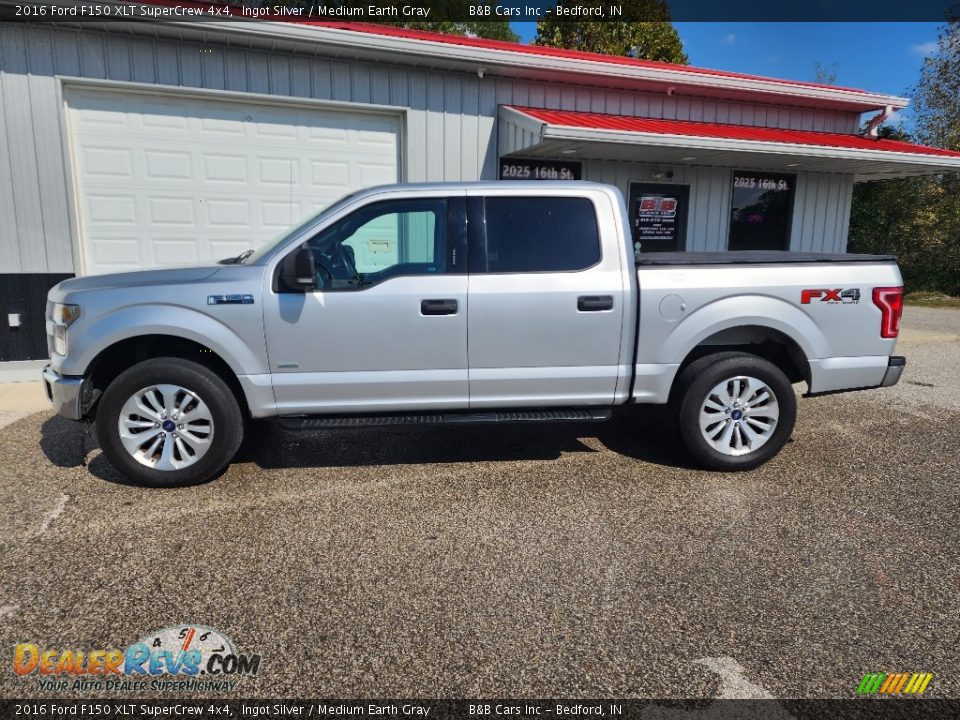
(433, 11)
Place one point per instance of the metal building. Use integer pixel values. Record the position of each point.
(129, 145)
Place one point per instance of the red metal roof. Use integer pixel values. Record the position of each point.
(392, 31)
(596, 121)
(503, 45)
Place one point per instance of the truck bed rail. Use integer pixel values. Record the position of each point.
(755, 257)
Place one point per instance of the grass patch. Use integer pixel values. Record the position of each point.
(924, 298)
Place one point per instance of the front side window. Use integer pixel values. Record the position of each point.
(380, 241)
(761, 211)
(540, 234)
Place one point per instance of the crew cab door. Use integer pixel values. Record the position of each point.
(386, 329)
(546, 301)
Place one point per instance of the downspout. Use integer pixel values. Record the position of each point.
(872, 130)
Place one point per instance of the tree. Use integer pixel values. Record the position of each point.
(918, 219)
(937, 94)
(824, 75)
(645, 32)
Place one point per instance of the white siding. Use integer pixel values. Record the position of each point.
(450, 131)
(821, 216)
(821, 202)
(23, 184)
(10, 260)
(709, 213)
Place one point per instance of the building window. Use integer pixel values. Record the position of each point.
(761, 211)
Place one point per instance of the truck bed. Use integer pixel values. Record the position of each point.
(756, 257)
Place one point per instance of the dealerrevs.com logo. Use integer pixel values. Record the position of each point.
(179, 658)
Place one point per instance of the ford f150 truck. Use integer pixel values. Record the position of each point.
(447, 303)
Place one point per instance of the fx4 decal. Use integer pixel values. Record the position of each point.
(845, 297)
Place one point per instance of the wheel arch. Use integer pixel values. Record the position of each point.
(239, 350)
(759, 325)
(771, 344)
(123, 354)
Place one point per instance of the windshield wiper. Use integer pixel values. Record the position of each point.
(238, 260)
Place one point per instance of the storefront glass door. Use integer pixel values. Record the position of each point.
(658, 216)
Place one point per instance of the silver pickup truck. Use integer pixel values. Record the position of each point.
(464, 303)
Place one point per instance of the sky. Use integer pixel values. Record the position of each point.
(880, 57)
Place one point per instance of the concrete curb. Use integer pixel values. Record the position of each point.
(27, 371)
(23, 397)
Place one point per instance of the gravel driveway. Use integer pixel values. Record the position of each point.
(560, 560)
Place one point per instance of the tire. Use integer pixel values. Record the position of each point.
(141, 432)
(730, 426)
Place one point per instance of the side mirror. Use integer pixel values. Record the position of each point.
(299, 272)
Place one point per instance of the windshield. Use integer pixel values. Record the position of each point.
(289, 233)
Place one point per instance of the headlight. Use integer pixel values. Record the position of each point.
(63, 317)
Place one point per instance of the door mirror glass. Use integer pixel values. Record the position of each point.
(298, 272)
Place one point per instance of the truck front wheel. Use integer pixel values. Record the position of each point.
(169, 422)
(735, 411)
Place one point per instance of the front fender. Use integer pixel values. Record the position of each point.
(242, 350)
(740, 311)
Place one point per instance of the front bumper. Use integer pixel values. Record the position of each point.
(65, 393)
(895, 367)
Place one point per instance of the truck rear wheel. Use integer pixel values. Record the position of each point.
(169, 422)
(735, 411)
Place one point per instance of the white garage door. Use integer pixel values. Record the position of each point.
(166, 180)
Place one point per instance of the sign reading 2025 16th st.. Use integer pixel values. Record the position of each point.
(517, 169)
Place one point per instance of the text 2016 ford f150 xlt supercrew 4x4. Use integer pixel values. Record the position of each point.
(464, 303)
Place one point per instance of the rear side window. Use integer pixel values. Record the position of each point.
(541, 234)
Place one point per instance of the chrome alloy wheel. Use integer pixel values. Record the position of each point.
(739, 415)
(165, 427)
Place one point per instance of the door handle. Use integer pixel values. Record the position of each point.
(438, 307)
(594, 303)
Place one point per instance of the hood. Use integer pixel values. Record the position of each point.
(142, 278)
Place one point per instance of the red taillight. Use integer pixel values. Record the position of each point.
(890, 302)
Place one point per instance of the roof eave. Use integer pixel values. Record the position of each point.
(937, 163)
(522, 63)
(438, 54)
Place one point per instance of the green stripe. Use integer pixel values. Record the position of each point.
(871, 683)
